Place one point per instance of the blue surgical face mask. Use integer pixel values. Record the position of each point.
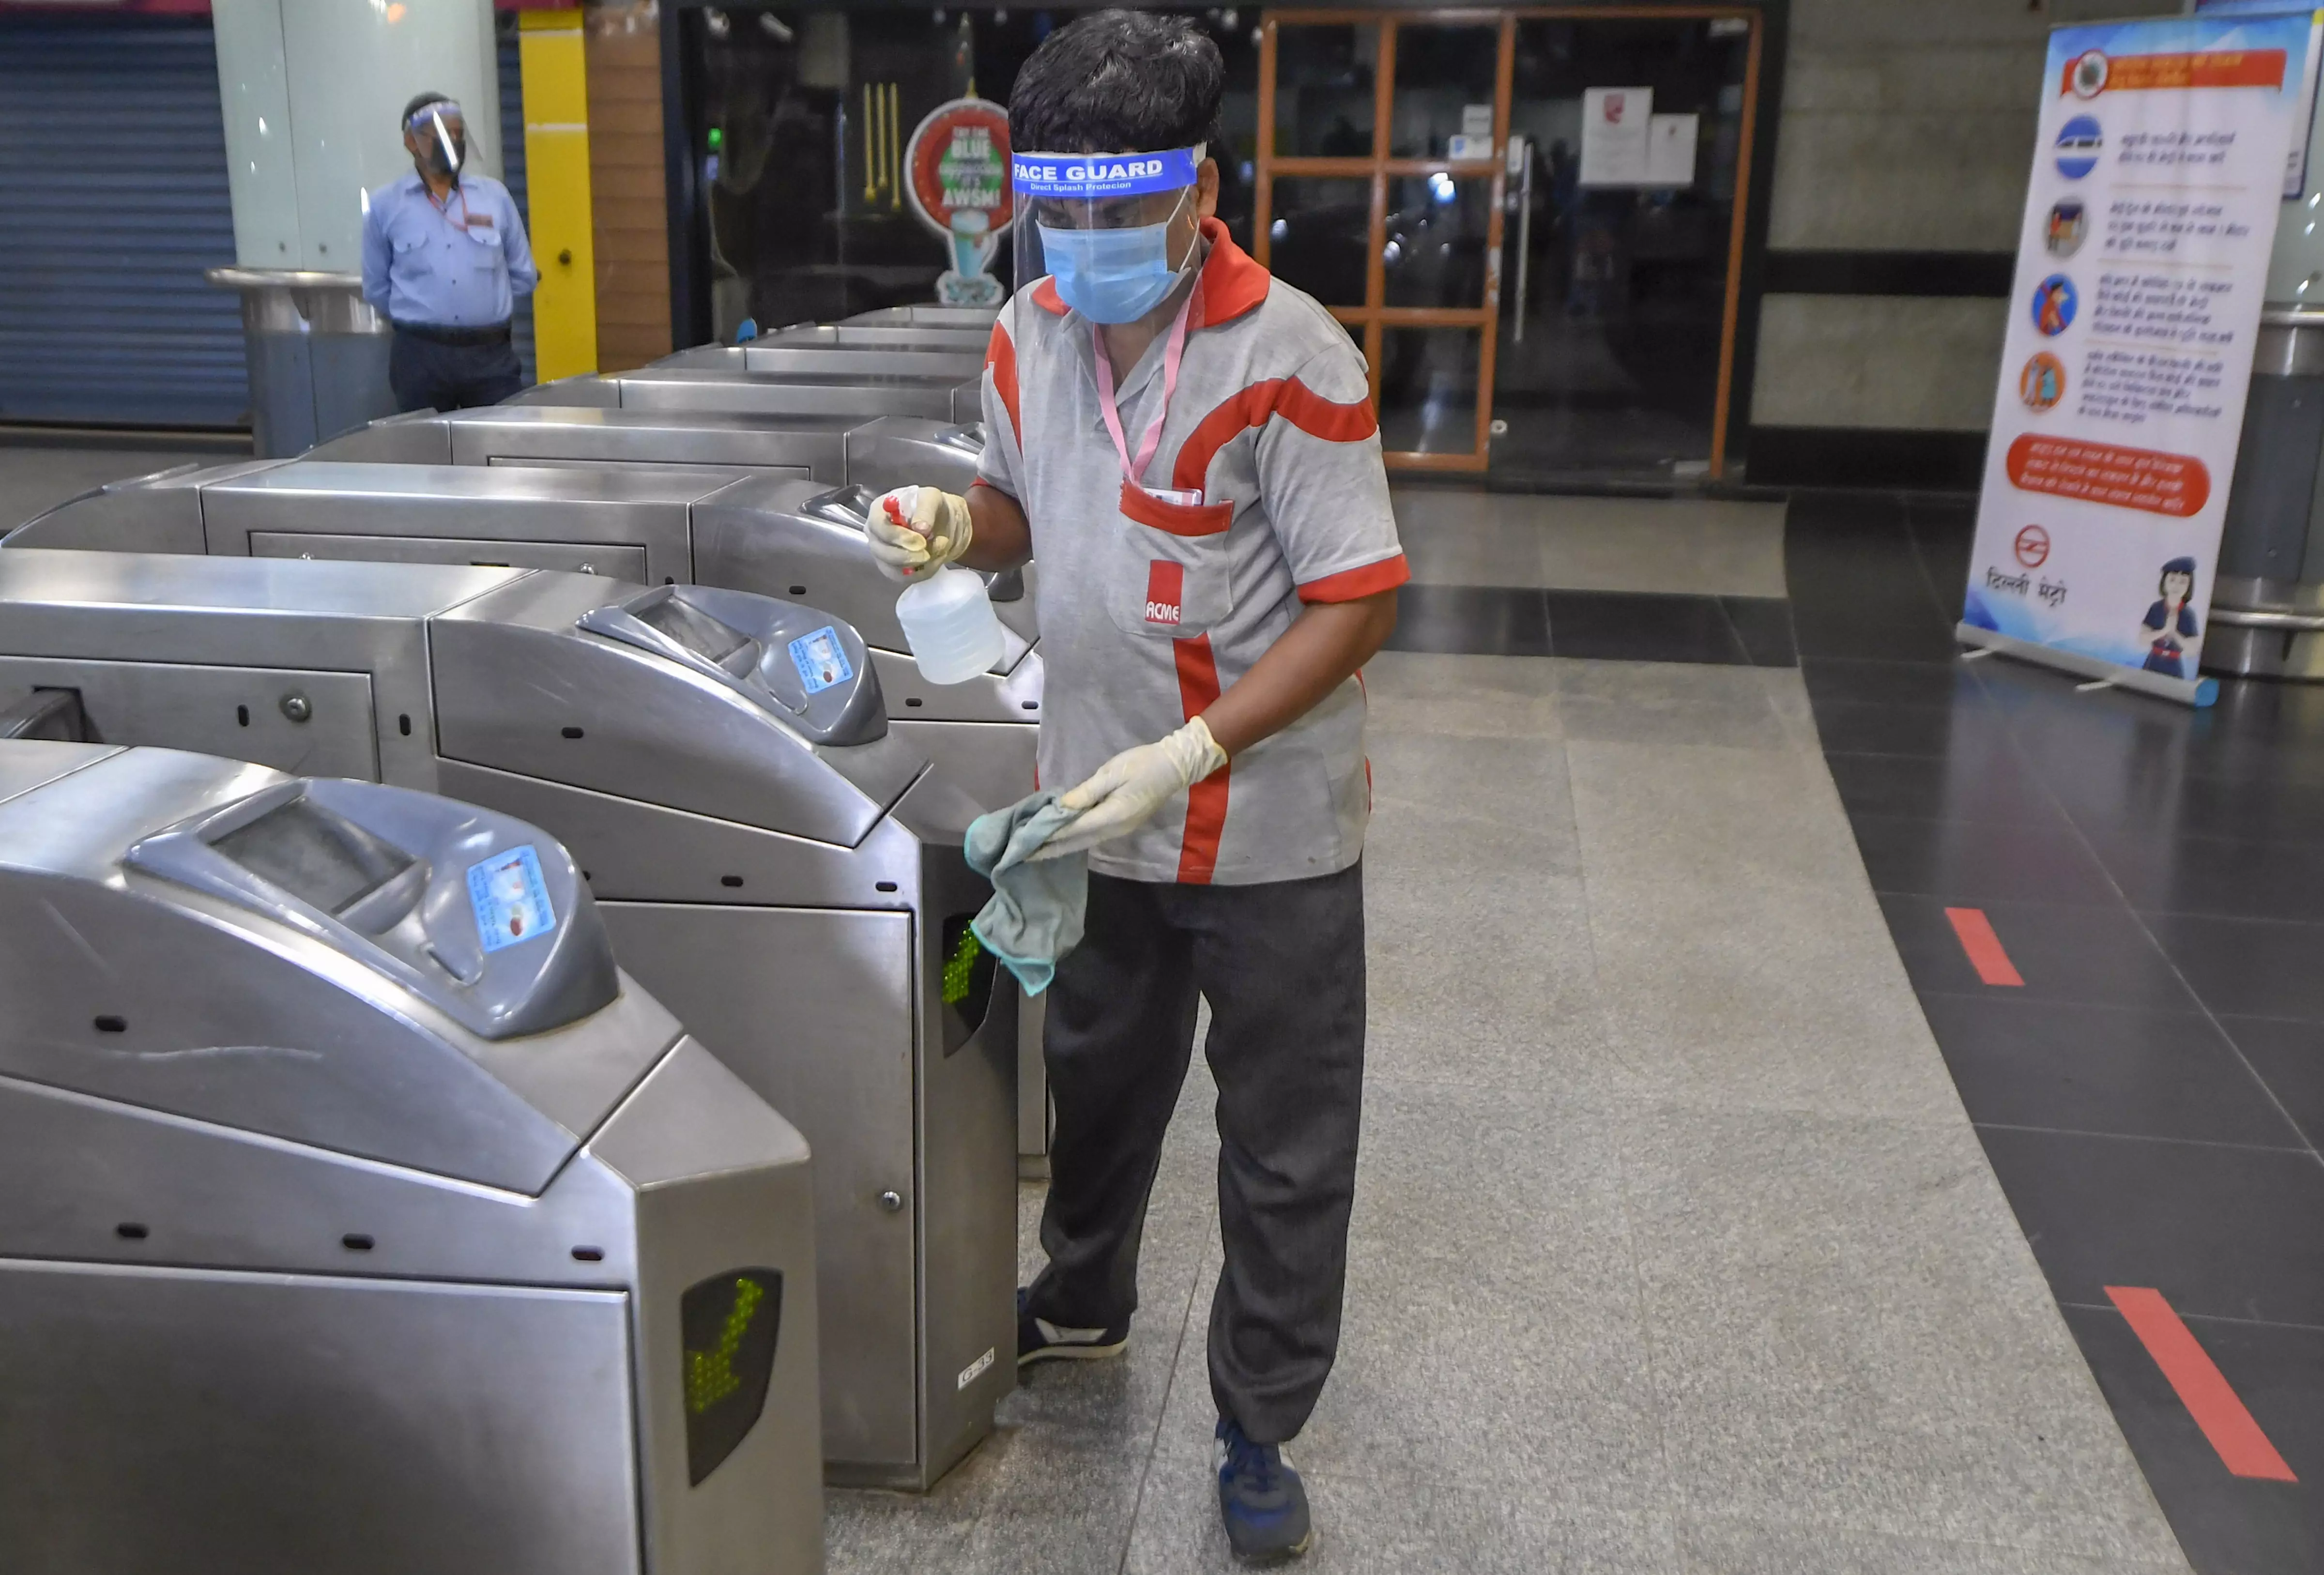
(1112, 276)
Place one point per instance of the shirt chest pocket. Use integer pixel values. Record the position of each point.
(410, 252)
(1170, 576)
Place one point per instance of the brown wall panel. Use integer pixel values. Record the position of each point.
(627, 190)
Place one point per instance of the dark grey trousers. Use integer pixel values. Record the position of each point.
(426, 376)
(1282, 965)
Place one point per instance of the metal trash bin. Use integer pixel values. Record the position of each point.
(318, 355)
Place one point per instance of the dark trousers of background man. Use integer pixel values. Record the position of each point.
(1282, 964)
(454, 371)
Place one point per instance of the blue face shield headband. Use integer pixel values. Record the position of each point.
(1106, 264)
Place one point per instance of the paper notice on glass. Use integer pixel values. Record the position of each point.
(1670, 149)
(1615, 126)
(1476, 120)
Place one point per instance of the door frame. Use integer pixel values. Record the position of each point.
(1746, 231)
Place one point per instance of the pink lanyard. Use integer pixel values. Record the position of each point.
(1134, 471)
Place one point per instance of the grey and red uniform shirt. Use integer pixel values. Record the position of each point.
(1149, 608)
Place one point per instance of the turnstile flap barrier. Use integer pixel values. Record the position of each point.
(742, 708)
(481, 916)
(766, 530)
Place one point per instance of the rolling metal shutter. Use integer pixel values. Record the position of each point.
(511, 153)
(114, 187)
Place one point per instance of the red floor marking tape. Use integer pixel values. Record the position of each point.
(1983, 946)
(2202, 1388)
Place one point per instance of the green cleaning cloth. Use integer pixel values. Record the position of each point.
(1035, 917)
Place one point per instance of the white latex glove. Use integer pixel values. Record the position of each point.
(1123, 794)
(916, 530)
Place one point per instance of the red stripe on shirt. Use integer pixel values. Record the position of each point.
(1000, 359)
(1177, 519)
(1206, 801)
(1255, 406)
(1045, 297)
(1353, 585)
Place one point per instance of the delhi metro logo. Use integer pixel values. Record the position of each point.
(1166, 590)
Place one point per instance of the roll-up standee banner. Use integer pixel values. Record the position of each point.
(2142, 266)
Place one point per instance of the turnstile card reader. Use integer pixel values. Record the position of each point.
(356, 1215)
(687, 388)
(886, 451)
(771, 860)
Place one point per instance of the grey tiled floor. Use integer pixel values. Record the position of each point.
(1698, 547)
(1673, 1250)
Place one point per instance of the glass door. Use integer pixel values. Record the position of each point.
(1381, 190)
(1629, 150)
(1531, 220)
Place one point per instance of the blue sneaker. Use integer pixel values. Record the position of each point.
(1260, 1498)
(1040, 1341)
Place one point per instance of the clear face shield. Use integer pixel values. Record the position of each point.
(1116, 232)
(442, 132)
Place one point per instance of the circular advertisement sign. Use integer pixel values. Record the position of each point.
(957, 169)
(957, 172)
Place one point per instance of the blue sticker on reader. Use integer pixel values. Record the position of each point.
(820, 660)
(510, 897)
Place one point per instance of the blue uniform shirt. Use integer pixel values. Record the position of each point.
(460, 265)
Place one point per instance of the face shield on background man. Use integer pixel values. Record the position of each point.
(439, 136)
(1117, 232)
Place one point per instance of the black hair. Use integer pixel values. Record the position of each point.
(422, 100)
(2177, 565)
(1120, 82)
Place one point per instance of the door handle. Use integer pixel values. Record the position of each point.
(1524, 233)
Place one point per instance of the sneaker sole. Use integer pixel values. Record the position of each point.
(1298, 1550)
(1072, 1353)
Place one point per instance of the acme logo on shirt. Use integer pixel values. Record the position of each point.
(1166, 587)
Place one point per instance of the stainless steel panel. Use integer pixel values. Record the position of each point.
(243, 713)
(1012, 698)
(2290, 343)
(683, 390)
(879, 336)
(968, 1170)
(73, 1169)
(902, 451)
(525, 434)
(248, 613)
(416, 437)
(27, 765)
(722, 1184)
(930, 314)
(168, 1422)
(161, 512)
(634, 508)
(609, 559)
(684, 467)
(814, 1011)
(885, 361)
(583, 388)
(991, 763)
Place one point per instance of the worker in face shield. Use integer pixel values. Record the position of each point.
(444, 257)
(1188, 447)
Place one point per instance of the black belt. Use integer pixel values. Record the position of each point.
(445, 334)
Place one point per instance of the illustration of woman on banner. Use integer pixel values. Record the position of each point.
(2171, 620)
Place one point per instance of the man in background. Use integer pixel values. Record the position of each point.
(444, 257)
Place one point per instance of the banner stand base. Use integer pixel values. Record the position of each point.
(2195, 691)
